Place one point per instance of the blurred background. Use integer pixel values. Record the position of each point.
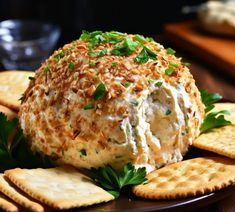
(144, 17)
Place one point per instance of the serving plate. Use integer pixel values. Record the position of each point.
(127, 202)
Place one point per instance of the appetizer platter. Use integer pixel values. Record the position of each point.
(109, 122)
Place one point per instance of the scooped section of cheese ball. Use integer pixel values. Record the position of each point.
(112, 98)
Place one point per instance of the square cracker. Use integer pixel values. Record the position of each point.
(60, 187)
(18, 196)
(188, 178)
(7, 205)
(219, 140)
(12, 85)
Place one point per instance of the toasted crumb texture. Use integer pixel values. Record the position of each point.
(92, 105)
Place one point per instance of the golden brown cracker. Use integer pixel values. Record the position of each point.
(12, 86)
(219, 140)
(7, 205)
(188, 178)
(8, 112)
(226, 106)
(60, 188)
(18, 196)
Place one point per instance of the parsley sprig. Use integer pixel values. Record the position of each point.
(145, 55)
(14, 151)
(113, 181)
(212, 119)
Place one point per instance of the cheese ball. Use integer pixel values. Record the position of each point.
(112, 98)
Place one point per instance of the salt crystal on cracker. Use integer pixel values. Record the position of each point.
(60, 188)
(7, 205)
(188, 178)
(15, 194)
(218, 140)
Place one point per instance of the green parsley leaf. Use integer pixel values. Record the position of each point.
(92, 63)
(173, 65)
(71, 66)
(209, 98)
(145, 55)
(158, 84)
(88, 107)
(113, 181)
(212, 119)
(170, 51)
(168, 112)
(114, 64)
(127, 84)
(126, 48)
(98, 54)
(59, 55)
(99, 92)
(46, 70)
(82, 153)
(14, 151)
(169, 71)
(187, 64)
(141, 39)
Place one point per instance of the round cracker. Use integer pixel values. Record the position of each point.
(226, 106)
(188, 178)
(8, 112)
(12, 86)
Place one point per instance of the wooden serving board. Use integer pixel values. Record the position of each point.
(216, 50)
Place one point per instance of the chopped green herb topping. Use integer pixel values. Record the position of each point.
(99, 92)
(92, 63)
(71, 66)
(114, 64)
(95, 77)
(126, 48)
(145, 55)
(173, 65)
(212, 119)
(170, 51)
(59, 55)
(169, 71)
(46, 70)
(150, 81)
(31, 78)
(98, 54)
(141, 39)
(168, 112)
(88, 107)
(187, 64)
(158, 84)
(127, 84)
(82, 152)
(114, 181)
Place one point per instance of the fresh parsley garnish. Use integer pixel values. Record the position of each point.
(114, 64)
(127, 84)
(114, 181)
(14, 151)
(99, 92)
(170, 51)
(158, 84)
(71, 66)
(46, 70)
(59, 55)
(98, 54)
(212, 119)
(92, 63)
(145, 55)
(82, 152)
(88, 107)
(127, 47)
(141, 39)
(169, 70)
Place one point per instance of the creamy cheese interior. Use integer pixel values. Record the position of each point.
(155, 134)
